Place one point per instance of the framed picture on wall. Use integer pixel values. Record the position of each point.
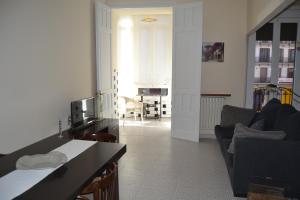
(213, 52)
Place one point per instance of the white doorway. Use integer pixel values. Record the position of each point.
(142, 64)
(182, 78)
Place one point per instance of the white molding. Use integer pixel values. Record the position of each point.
(142, 5)
(207, 134)
(275, 53)
(296, 83)
(287, 20)
(250, 70)
(151, 4)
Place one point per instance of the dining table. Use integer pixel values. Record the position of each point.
(67, 180)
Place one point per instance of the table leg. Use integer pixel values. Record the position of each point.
(117, 192)
(160, 106)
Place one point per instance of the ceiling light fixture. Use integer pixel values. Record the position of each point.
(149, 19)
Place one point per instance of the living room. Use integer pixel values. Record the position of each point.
(48, 59)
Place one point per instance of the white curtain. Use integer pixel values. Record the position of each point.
(144, 53)
(125, 56)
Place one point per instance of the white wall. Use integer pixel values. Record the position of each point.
(46, 61)
(226, 21)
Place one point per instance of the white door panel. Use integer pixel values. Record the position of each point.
(187, 52)
(103, 56)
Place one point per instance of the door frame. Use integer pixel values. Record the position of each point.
(146, 5)
(142, 5)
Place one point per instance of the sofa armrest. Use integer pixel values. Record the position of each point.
(271, 159)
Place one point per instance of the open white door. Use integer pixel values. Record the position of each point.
(103, 56)
(186, 80)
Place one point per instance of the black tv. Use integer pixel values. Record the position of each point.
(83, 112)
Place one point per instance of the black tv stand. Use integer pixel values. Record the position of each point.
(97, 127)
(84, 125)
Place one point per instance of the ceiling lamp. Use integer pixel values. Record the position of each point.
(149, 19)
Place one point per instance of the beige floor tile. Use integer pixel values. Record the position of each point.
(158, 167)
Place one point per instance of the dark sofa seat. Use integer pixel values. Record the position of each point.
(262, 158)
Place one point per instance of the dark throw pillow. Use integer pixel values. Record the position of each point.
(231, 115)
(282, 116)
(257, 117)
(269, 112)
(292, 127)
(258, 125)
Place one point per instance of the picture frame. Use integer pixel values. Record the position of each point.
(213, 52)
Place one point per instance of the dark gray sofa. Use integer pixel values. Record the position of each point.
(278, 161)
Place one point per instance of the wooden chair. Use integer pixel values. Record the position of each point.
(100, 137)
(102, 187)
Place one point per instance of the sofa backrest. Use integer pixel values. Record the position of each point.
(232, 115)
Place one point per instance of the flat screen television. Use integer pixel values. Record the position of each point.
(83, 112)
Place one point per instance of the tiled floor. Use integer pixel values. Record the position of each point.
(158, 167)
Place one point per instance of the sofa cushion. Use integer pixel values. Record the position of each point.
(245, 132)
(224, 132)
(282, 116)
(231, 115)
(269, 112)
(292, 127)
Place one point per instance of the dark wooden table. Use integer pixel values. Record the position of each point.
(67, 181)
(265, 190)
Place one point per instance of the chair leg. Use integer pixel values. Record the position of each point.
(96, 195)
(124, 116)
(142, 115)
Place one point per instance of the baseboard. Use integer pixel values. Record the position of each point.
(185, 135)
(207, 134)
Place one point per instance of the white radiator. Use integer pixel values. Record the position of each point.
(210, 114)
